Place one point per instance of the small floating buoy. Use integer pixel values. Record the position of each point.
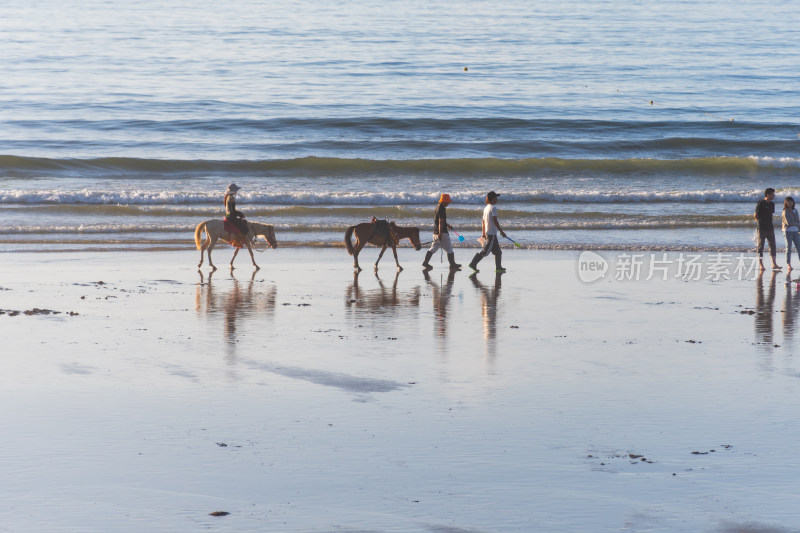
(466, 69)
(651, 102)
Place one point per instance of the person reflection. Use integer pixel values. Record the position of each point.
(765, 309)
(382, 300)
(489, 297)
(791, 303)
(239, 302)
(441, 298)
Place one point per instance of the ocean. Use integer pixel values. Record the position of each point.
(652, 125)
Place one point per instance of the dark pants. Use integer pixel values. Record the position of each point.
(767, 234)
(492, 245)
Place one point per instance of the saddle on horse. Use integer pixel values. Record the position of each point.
(234, 228)
(382, 229)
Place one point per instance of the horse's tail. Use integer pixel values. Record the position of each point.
(347, 243)
(198, 233)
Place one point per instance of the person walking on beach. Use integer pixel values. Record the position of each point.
(790, 223)
(441, 238)
(490, 226)
(231, 214)
(765, 208)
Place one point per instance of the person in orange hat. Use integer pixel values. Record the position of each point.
(441, 238)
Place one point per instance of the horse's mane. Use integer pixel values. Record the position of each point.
(261, 229)
(403, 229)
(259, 225)
(402, 232)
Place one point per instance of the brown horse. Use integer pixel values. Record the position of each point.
(367, 233)
(215, 229)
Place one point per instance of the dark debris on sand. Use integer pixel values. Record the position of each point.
(633, 458)
(34, 311)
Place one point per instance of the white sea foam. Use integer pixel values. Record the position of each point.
(364, 198)
(777, 162)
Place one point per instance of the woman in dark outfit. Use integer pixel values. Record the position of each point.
(231, 214)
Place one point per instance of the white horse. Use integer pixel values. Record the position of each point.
(215, 229)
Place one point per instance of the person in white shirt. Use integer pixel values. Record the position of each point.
(791, 229)
(490, 226)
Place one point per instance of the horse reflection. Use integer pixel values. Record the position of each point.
(383, 299)
(234, 303)
(441, 298)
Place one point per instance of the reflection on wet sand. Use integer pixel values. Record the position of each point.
(791, 304)
(764, 322)
(236, 302)
(765, 307)
(489, 297)
(383, 299)
(441, 298)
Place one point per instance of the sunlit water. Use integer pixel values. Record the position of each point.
(602, 124)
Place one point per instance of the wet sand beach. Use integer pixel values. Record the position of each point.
(601, 385)
(143, 395)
